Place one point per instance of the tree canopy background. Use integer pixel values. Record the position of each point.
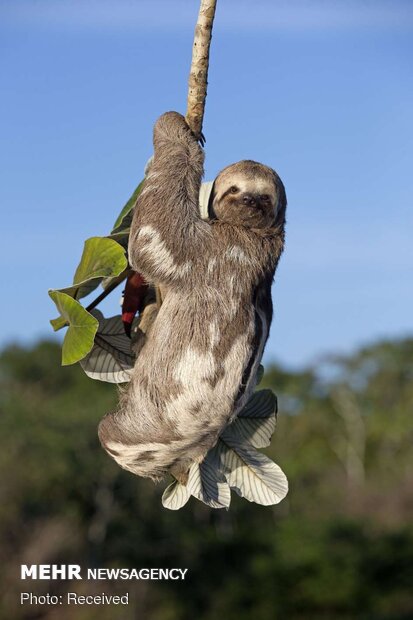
(339, 547)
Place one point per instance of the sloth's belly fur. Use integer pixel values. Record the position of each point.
(185, 387)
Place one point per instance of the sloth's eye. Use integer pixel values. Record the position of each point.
(233, 189)
(264, 197)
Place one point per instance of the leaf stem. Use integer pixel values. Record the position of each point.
(120, 278)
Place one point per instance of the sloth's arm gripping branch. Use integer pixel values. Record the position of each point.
(168, 238)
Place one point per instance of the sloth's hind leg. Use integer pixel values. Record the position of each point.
(147, 456)
(134, 453)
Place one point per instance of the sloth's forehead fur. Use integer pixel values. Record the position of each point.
(247, 176)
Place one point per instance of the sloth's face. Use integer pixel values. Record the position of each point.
(248, 194)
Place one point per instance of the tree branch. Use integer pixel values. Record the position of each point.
(116, 281)
(198, 77)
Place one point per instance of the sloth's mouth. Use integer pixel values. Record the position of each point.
(259, 210)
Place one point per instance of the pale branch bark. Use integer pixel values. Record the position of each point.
(198, 77)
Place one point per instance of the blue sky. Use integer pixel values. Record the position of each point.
(321, 91)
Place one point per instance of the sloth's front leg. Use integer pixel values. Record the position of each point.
(141, 332)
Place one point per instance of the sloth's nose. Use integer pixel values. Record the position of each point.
(249, 199)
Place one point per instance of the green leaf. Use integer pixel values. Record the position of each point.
(101, 258)
(58, 323)
(83, 326)
(124, 218)
(121, 237)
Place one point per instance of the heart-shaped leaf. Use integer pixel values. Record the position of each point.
(83, 326)
(101, 258)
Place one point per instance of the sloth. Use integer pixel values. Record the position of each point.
(198, 365)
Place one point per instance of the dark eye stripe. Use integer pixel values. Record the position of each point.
(229, 191)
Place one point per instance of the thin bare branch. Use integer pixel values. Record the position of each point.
(198, 77)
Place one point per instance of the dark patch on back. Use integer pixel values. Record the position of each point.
(148, 455)
(217, 376)
(196, 408)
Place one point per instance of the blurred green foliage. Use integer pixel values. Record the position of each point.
(339, 547)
